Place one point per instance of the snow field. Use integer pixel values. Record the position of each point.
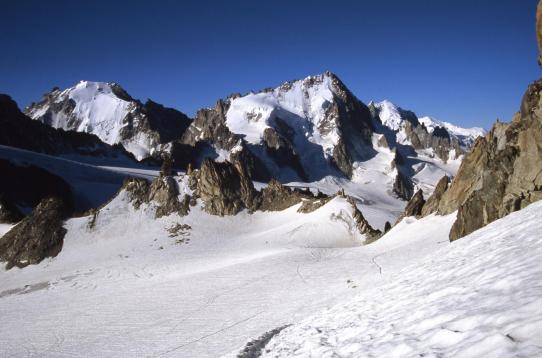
(128, 286)
(479, 296)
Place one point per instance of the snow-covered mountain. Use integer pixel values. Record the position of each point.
(312, 132)
(106, 110)
(295, 131)
(316, 131)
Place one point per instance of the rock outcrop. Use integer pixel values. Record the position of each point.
(163, 192)
(277, 197)
(414, 206)
(362, 224)
(432, 203)
(36, 237)
(439, 140)
(210, 126)
(402, 186)
(224, 188)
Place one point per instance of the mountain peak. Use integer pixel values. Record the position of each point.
(108, 111)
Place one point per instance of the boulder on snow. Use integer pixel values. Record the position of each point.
(37, 236)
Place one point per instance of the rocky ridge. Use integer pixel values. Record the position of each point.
(223, 188)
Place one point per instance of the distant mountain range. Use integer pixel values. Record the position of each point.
(301, 131)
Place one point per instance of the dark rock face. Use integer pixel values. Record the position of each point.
(502, 173)
(36, 237)
(341, 159)
(432, 203)
(20, 131)
(414, 206)
(402, 186)
(27, 186)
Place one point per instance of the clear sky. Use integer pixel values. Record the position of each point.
(464, 61)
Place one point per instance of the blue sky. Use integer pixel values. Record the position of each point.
(467, 62)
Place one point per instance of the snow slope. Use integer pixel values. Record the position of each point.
(480, 296)
(126, 286)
